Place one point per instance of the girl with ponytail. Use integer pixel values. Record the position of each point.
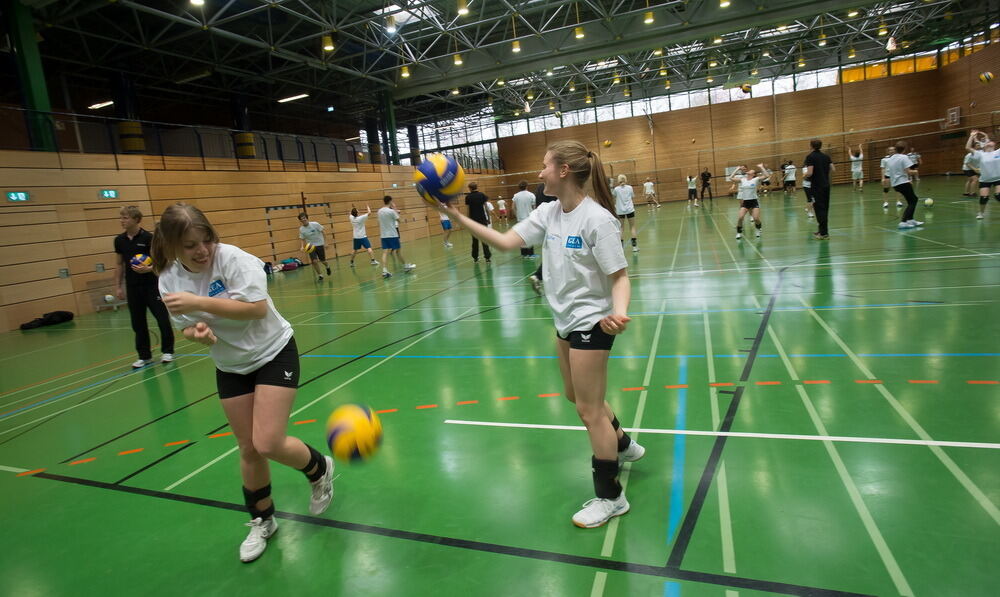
(588, 290)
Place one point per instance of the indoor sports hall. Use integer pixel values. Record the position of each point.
(809, 382)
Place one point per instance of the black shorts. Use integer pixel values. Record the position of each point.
(692, 194)
(282, 371)
(809, 194)
(594, 339)
(969, 172)
(986, 185)
(789, 184)
(319, 252)
(750, 204)
(629, 215)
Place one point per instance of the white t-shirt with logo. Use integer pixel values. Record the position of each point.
(790, 173)
(312, 233)
(243, 345)
(623, 199)
(856, 162)
(358, 225)
(524, 202)
(806, 183)
(989, 165)
(581, 249)
(895, 168)
(748, 189)
(649, 189)
(388, 223)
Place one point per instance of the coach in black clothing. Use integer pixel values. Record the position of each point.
(819, 168)
(141, 288)
(476, 202)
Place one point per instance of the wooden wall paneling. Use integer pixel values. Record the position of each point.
(14, 315)
(25, 215)
(33, 290)
(31, 271)
(29, 253)
(28, 159)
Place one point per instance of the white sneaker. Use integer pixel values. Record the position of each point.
(386, 274)
(322, 490)
(915, 223)
(899, 204)
(448, 245)
(757, 232)
(979, 216)
(903, 225)
(812, 215)
(596, 512)
(536, 284)
(167, 357)
(409, 267)
(256, 541)
(632, 453)
(635, 248)
(885, 205)
(374, 261)
(739, 235)
(141, 363)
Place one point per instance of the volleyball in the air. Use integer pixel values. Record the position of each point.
(928, 202)
(607, 142)
(353, 432)
(439, 178)
(986, 76)
(308, 248)
(745, 88)
(141, 259)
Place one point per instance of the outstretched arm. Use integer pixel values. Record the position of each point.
(504, 241)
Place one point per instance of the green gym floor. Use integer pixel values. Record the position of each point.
(820, 418)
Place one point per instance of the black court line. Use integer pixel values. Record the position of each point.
(154, 463)
(708, 474)
(494, 548)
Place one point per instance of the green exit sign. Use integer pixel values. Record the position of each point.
(17, 195)
(108, 194)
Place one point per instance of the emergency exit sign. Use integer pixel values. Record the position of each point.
(108, 194)
(18, 196)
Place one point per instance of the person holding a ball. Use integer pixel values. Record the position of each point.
(217, 294)
(136, 283)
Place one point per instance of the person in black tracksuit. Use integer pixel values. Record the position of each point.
(706, 184)
(476, 202)
(140, 288)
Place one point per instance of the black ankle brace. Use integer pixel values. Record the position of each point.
(316, 461)
(251, 497)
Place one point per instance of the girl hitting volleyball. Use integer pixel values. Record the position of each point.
(217, 294)
(588, 290)
(748, 197)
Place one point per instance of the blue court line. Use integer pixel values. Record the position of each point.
(677, 479)
(70, 392)
(672, 589)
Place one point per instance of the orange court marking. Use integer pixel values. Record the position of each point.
(27, 473)
(922, 380)
(469, 402)
(388, 410)
(222, 434)
(768, 383)
(815, 381)
(183, 441)
(85, 460)
(548, 395)
(721, 384)
(679, 385)
(131, 451)
(867, 381)
(983, 381)
(510, 398)
(428, 406)
(633, 389)
(304, 422)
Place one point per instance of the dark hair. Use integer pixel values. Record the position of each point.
(522, 185)
(473, 186)
(900, 146)
(354, 212)
(387, 199)
(170, 231)
(816, 144)
(584, 165)
(302, 215)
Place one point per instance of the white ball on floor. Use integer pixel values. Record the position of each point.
(928, 202)
(109, 298)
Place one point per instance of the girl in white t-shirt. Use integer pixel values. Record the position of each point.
(588, 290)
(502, 210)
(649, 190)
(747, 194)
(988, 160)
(360, 234)
(217, 294)
(857, 169)
(625, 208)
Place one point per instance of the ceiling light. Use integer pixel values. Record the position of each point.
(782, 27)
(617, 79)
(405, 73)
(648, 19)
(548, 73)
(883, 30)
(717, 40)
(588, 99)
(666, 84)
(766, 54)
(723, 3)
(709, 79)
(197, 2)
(100, 105)
(531, 95)
(852, 13)
(552, 105)
(851, 53)
(330, 108)
(515, 46)
(293, 98)
(489, 101)
(822, 39)
(753, 72)
(628, 91)
(658, 52)
(390, 24)
(802, 62)
(463, 8)
(328, 43)
(454, 91)
(713, 63)
(501, 83)
(578, 32)
(663, 71)
(572, 86)
(517, 112)
(458, 60)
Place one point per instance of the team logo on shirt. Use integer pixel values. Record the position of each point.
(216, 287)
(574, 242)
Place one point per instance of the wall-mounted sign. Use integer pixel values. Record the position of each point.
(107, 194)
(18, 196)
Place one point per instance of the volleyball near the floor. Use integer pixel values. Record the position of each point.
(439, 178)
(986, 76)
(353, 432)
(928, 202)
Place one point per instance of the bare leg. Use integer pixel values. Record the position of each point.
(585, 375)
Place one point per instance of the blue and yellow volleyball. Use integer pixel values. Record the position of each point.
(141, 259)
(439, 178)
(353, 432)
(986, 76)
(308, 248)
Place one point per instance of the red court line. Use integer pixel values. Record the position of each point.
(633, 389)
(222, 434)
(304, 422)
(34, 472)
(675, 386)
(427, 406)
(768, 383)
(867, 381)
(510, 398)
(721, 384)
(548, 395)
(983, 381)
(183, 441)
(387, 410)
(85, 460)
(469, 402)
(922, 380)
(815, 381)
(131, 451)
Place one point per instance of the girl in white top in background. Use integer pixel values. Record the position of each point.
(747, 195)
(971, 171)
(361, 235)
(502, 210)
(692, 190)
(899, 168)
(217, 294)
(885, 179)
(625, 208)
(649, 190)
(789, 169)
(857, 169)
(988, 160)
(807, 189)
(588, 290)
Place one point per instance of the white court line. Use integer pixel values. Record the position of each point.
(12, 469)
(744, 434)
(324, 395)
(48, 346)
(934, 446)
